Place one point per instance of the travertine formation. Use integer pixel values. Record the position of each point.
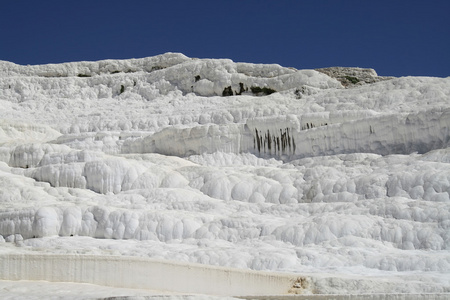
(240, 165)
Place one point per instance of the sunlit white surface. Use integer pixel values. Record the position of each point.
(66, 290)
(148, 158)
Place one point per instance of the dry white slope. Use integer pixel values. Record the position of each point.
(190, 160)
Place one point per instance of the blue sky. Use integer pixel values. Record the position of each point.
(395, 38)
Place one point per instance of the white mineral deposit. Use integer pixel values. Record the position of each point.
(170, 174)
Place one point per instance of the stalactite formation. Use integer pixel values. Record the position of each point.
(312, 125)
(277, 143)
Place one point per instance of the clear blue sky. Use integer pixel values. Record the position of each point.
(398, 38)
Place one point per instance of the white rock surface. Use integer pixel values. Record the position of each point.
(146, 158)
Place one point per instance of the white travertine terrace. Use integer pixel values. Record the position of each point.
(237, 165)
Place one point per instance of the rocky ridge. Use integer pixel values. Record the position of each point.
(352, 76)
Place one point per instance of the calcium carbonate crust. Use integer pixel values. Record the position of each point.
(234, 164)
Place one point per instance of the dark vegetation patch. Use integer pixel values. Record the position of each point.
(156, 68)
(227, 91)
(261, 91)
(352, 79)
(299, 92)
(241, 89)
(256, 90)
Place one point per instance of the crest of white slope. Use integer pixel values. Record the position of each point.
(155, 157)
